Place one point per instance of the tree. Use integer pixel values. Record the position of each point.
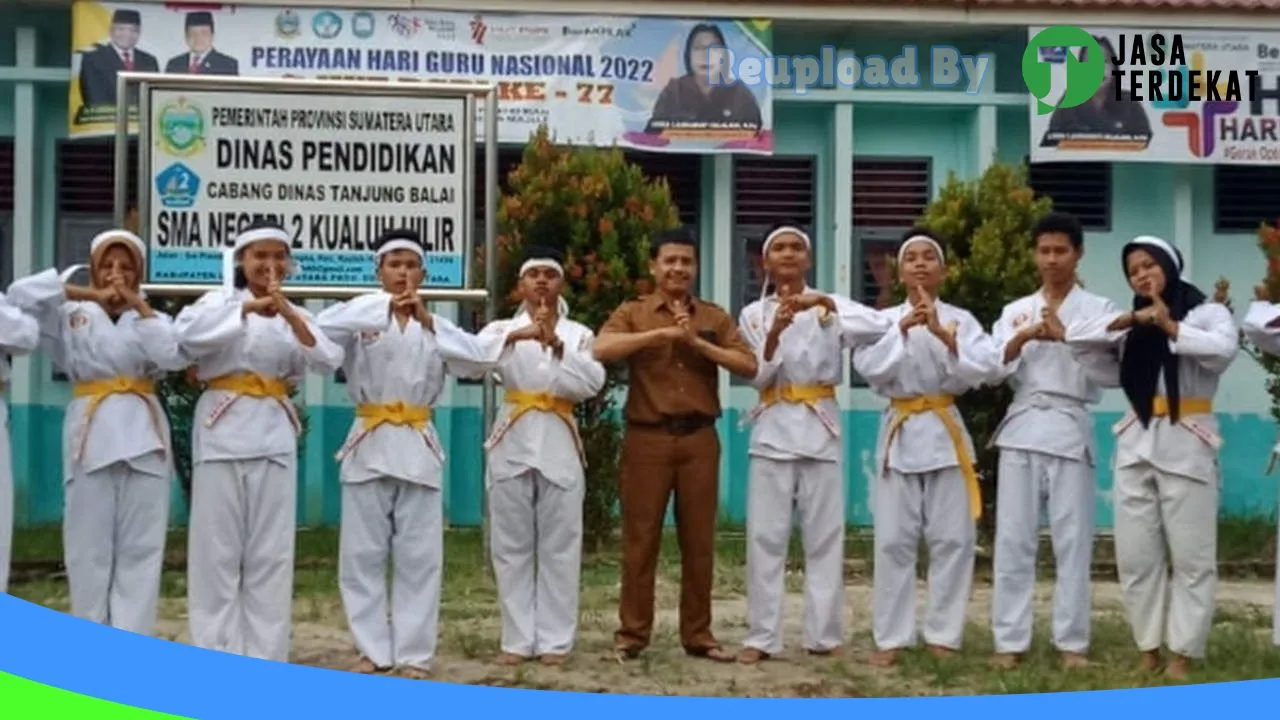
(601, 211)
(986, 227)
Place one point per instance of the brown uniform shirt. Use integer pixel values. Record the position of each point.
(673, 379)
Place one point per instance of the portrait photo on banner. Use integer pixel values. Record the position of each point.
(658, 84)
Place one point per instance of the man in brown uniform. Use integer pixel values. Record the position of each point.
(673, 344)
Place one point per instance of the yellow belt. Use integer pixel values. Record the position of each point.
(396, 413)
(375, 415)
(251, 384)
(798, 394)
(1186, 406)
(99, 390)
(255, 386)
(525, 401)
(940, 405)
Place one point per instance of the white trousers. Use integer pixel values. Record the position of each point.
(113, 535)
(1028, 482)
(936, 506)
(816, 490)
(1154, 509)
(389, 519)
(536, 543)
(240, 556)
(6, 500)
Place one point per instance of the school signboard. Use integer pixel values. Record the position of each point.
(335, 174)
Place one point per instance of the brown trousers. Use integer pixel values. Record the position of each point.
(655, 463)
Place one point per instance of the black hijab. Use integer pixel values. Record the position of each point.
(1146, 348)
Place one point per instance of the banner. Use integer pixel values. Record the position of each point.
(638, 82)
(334, 170)
(1184, 96)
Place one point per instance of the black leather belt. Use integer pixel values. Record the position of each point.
(679, 424)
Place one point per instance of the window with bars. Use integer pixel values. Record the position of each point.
(889, 196)
(1080, 188)
(766, 191)
(1244, 197)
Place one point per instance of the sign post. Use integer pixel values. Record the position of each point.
(335, 162)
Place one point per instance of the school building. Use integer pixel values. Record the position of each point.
(857, 165)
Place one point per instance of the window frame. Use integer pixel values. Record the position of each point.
(1088, 220)
(1265, 177)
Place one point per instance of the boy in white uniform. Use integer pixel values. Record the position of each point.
(535, 462)
(392, 462)
(800, 336)
(927, 483)
(1047, 453)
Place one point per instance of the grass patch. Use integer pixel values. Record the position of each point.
(1240, 647)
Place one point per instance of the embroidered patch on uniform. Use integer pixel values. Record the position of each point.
(584, 343)
(1021, 320)
(78, 320)
(370, 337)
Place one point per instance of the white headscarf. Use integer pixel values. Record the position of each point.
(99, 244)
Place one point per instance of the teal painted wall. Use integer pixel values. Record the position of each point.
(1143, 198)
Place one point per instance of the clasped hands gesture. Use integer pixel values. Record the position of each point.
(791, 304)
(117, 293)
(542, 329)
(1157, 314)
(408, 304)
(271, 304)
(924, 313)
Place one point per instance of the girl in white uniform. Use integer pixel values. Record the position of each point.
(19, 335)
(535, 461)
(117, 457)
(1262, 326)
(927, 483)
(1174, 347)
(251, 346)
(392, 462)
(800, 336)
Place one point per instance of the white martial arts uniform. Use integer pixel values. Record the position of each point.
(244, 472)
(1047, 458)
(1256, 328)
(19, 335)
(1167, 483)
(920, 488)
(117, 454)
(535, 479)
(797, 458)
(392, 479)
